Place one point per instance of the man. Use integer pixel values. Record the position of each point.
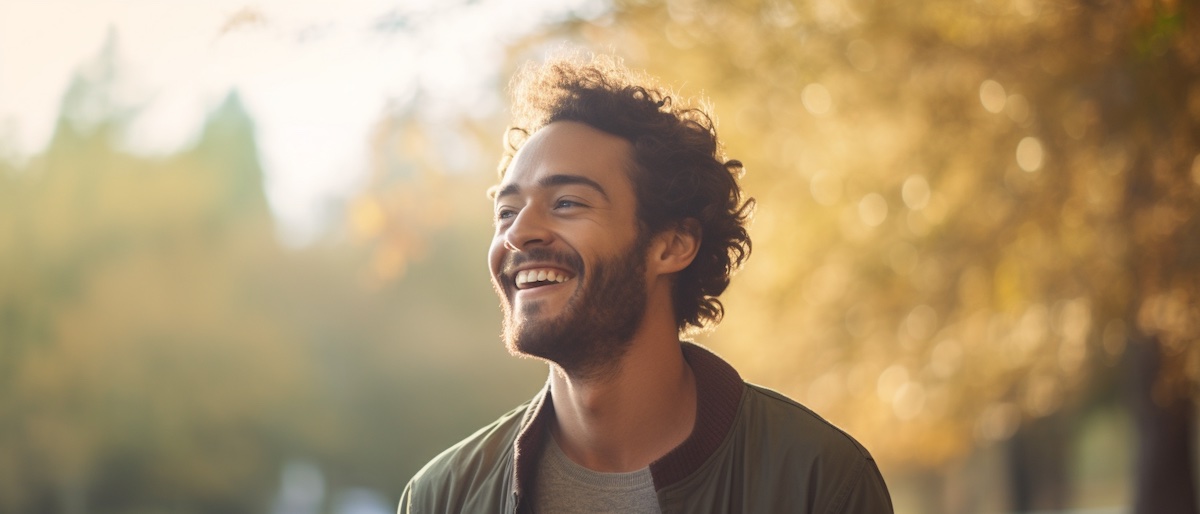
(618, 223)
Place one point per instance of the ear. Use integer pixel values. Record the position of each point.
(673, 249)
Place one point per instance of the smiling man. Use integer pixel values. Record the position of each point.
(618, 223)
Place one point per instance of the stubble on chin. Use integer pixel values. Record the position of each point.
(512, 328)
(590, 336)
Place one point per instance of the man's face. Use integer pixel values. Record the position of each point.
(567, 259)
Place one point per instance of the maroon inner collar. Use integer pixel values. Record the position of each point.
(718, 394)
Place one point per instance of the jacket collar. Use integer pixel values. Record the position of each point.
(718, 395)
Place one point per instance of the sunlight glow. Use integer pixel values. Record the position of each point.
(314, 77)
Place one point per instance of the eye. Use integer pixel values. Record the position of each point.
(567, 204)
(505, 213)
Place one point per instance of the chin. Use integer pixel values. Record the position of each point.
(529, 338)
(572, 342)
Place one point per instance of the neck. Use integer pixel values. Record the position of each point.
(625, 420)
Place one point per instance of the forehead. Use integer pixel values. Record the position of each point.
(573, 149)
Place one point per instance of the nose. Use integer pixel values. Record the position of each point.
(527, 229)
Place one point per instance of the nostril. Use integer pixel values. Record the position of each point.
(522, 244)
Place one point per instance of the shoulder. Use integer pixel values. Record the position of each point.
(476, 466)
(800, 443)
(784, 421)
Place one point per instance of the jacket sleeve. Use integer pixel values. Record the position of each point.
(868, 495)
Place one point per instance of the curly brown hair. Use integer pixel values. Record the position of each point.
(680, 170)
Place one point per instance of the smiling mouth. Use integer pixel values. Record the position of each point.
(538, 277)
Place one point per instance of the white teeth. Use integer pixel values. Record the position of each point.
(543, 275)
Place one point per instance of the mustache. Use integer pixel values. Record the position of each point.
(570, 261)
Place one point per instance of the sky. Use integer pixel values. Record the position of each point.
(314, 75)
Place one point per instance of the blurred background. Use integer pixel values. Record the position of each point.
(242, 244)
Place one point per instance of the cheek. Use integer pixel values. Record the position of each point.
(495, 256)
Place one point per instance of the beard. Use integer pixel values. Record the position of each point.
(596, 327)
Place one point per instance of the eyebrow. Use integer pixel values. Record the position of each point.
(551, 181)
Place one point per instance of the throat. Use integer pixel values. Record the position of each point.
(604, 424)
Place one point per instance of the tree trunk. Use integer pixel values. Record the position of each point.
(1038, 457)
(1163, 418)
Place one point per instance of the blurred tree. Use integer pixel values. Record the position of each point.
(139, 366)
(965, 209)
(160, 351)
(227, 146)
(425, 226)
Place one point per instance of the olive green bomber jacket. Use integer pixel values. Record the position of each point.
(752, 450)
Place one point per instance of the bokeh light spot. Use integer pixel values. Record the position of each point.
(1017, 108)
(908, 401)
(1196, 170)
(368, 218)
(992, 96)
(921, 322)
(890, 381)
(1029, 154)
(1074, 319)
(781, 14)
(827, 390)
(816, 99)
(872, 210)
(915, 192)
(826, 188)
(1026, 8)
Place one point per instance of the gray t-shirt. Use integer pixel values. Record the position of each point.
(566, 487)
